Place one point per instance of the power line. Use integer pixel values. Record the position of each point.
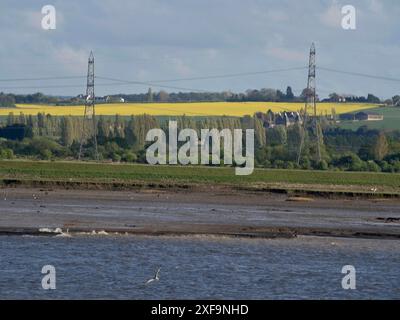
(42, 79)
(220, 76)
(156, 83)
(151, 84)
(57, 86)
(365, 75)
(209, 77)
(230, 75)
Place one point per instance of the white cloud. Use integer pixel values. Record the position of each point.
(375, 6)
(332, 16)
(155, 39)
(70, 58)
(286, 54)
(180, 67)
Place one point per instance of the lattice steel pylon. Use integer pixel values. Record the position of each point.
(311, 102)
(89, 125)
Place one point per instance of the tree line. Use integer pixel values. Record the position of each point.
(123, 139)
(261, 95)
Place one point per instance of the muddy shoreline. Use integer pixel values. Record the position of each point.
(292, 189)
(215, 211)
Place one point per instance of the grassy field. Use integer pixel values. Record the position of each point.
(175, 175)
(190, 109)
(391, 120)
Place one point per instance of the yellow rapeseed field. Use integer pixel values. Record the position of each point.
(189, 109)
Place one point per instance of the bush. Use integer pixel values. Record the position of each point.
(373, 167)
(305, 164)
(129, 157)
(386, 167)
(116, 157)
(46, 154)
(6, 153)
(396, 166)
(279, 164)
(289, 165)
(350, 162)
(322, 165)
(41, 147)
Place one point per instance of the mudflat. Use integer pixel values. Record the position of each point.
(208, 210)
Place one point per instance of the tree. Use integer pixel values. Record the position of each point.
(294, 135)
(277, 136)
(163, 96)
(305, 94)
(259, 132)
(289, 94)
(10, 119)
(396, 100)
(102, 130)
(150, 95)
(66, 131)
(22, 119)
(334, 116)
(380, 148)
(334, 97)
(7, 100)
(373, 99)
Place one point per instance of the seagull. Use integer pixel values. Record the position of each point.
(156, 277)
(374, 189)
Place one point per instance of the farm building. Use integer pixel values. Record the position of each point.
(347, 117)
(364, 116)
(361, 116)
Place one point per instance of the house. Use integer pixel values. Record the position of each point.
(287, 119)
(271, 119)
(100, 99)
(115, 99)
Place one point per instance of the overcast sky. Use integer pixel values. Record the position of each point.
(151, 40)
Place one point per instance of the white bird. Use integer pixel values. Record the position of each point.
(374, 189)
(156, 277)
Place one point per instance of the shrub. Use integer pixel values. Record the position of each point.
(6, 153)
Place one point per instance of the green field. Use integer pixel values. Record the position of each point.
(391, 120)
(70, 172)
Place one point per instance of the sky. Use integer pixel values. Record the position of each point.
(152, 40)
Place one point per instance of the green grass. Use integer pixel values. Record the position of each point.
(391, 120)
(90, 172)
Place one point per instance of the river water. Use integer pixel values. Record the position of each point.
(117, 267)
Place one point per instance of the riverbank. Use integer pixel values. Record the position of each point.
(125, 177)
(214, 210)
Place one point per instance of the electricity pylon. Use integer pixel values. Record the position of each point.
(311, 103)
(89, 126)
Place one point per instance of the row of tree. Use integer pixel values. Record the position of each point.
(267, 95)
(123, 139)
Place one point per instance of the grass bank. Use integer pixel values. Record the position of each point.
(130, 176)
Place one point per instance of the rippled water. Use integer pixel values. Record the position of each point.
(198, 267)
